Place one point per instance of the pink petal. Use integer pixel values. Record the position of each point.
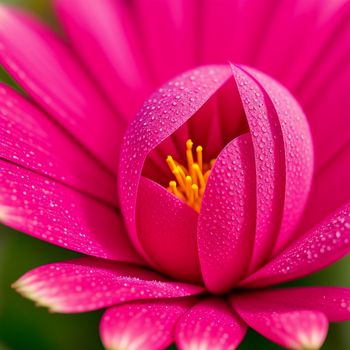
(146, 325)
(168, 26)
(269, 162)
(86, 284)
(330, 187)
(167, 230)
(230, 29)
(318, 248)
(155, 122)
(298, 155)
(334, 302)
(48, 210)
(106, 39)
(29, 139)
(289, 327)
(47, 70)
(210, 324)
(226, 226)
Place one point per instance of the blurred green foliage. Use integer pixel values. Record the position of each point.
(23, 326)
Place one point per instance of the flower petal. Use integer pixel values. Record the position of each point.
(167, 230)
(166, 27)
(269, 162)
(155, 122)
(47, 70)
(292, 328)
(210, 324)
(334, 302)
(330, 187)
(31, 140)
(318, 248)
(226, 226)
(48, 210)
(298, 155)
(146, 325)
(106, 40)
(86, 284)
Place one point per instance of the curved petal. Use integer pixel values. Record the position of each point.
(334, 302)
(269, 162)
(292, 328)
(166, 110)
(167, 230)
(147, 325)
(298, 155)
(47, 70)
(31, 140)
(105, 38)
(320, 247)
(226, 225)
(210, 324)
(50, 211)
(86, 284)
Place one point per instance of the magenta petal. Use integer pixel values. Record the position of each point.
(298, 155)
(31, 140)
(167, 230)
(166, 110)
(105, 38)
(210, 324)
(283, 156)
(146, 325)
(48, 71)
(166, 27)
(334, 302)
(289, 327)
(269, 162)
(86, 284)
(48, 210)
(330, 187)
(318, 248)
(226, 226)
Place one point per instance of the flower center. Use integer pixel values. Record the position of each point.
(191, 180)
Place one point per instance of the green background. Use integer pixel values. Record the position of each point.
(23, 326)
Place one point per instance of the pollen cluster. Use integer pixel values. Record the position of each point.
(190, 180)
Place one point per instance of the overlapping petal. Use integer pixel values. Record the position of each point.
(226, 226)
(48, 210)
(86, 284)
(31, 140)
(298, 151)
(292, 328)
(42, 64)
(326, 243)
(147, 325)
(167, 230)
(294, 317)
(166, 111)
(334, 302)
(283, 158)
(105, 37)
(210, 324)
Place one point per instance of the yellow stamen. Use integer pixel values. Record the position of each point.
(195, 191)
(171, 163)
(191, 180)
(199, 151)
(173, 189)
(179, 179)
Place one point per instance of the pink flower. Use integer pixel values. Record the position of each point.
(261, 206)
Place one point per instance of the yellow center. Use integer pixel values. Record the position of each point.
(191, 180)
